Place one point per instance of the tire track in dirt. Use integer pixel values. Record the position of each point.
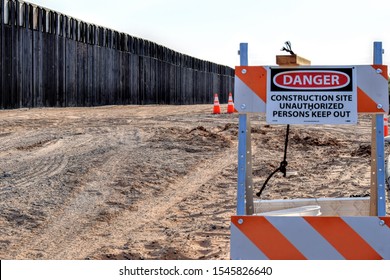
(44, 168)
(74, 218)
(75, 233)
(9, 141)
(42, 160)
(153, 210)
(79, 214)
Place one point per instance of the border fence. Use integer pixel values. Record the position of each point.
(48, 59)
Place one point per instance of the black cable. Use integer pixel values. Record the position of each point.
(282, 166)
(284, 163)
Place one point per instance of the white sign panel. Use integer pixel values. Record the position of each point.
(312, 95)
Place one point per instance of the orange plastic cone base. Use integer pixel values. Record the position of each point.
(386, 126)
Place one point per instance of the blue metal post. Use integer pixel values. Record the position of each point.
(244, 54)
(380, 145)
(244, 187)
(241, 164)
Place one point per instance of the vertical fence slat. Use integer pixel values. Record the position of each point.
(61, 39)
(24, 59)
(70, 69)
(35, 56)
(10, 52)
(1, 52)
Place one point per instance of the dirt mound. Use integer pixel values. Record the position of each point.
(305, 139)
(363, 150)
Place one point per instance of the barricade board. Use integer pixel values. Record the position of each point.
(330, 206)
(369, 86)
(309, 237)
(319, 95)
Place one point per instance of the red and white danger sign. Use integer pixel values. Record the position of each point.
(311, 80)
(314, 85)
(321, 95)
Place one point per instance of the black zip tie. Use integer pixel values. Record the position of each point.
(282, 166)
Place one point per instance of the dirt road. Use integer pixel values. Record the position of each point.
(152, 182)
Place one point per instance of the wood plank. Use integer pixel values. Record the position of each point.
(24, 64)
(61, 42)
(291, 60)
(7, 67)
(99, 69)
(81, 73)
(125, 77)
(90, 95)
(1, 53)
(70, 72)
(134, 79)
(14, 96)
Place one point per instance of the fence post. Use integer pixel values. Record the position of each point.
(1, 52)
(13, 95)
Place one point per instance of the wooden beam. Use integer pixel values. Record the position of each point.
(291, 60)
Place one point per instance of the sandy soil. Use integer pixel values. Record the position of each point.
(153, 182)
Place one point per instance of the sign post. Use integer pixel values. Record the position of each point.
(244, 187)
(377, 189)
(311, 95)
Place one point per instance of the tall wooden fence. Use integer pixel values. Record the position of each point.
(49, 59)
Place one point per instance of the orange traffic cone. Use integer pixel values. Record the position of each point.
(230, 107)
(217, 107)
(385, 125)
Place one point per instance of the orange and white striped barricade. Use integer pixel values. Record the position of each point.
(309, 237)
(251, 87)
(354, 89)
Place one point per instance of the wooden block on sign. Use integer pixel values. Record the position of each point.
(291, 60)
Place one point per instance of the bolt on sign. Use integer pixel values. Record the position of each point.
(312, 95)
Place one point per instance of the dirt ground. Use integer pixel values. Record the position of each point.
(153, 182)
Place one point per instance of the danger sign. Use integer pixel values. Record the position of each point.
(311, 95)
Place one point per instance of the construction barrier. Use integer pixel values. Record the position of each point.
(315, 238)
(311, 95)
(251, 88)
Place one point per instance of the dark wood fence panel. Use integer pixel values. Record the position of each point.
(50, 59)
(70, 72)
(1, 51)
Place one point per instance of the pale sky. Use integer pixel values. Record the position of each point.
(327, 32)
